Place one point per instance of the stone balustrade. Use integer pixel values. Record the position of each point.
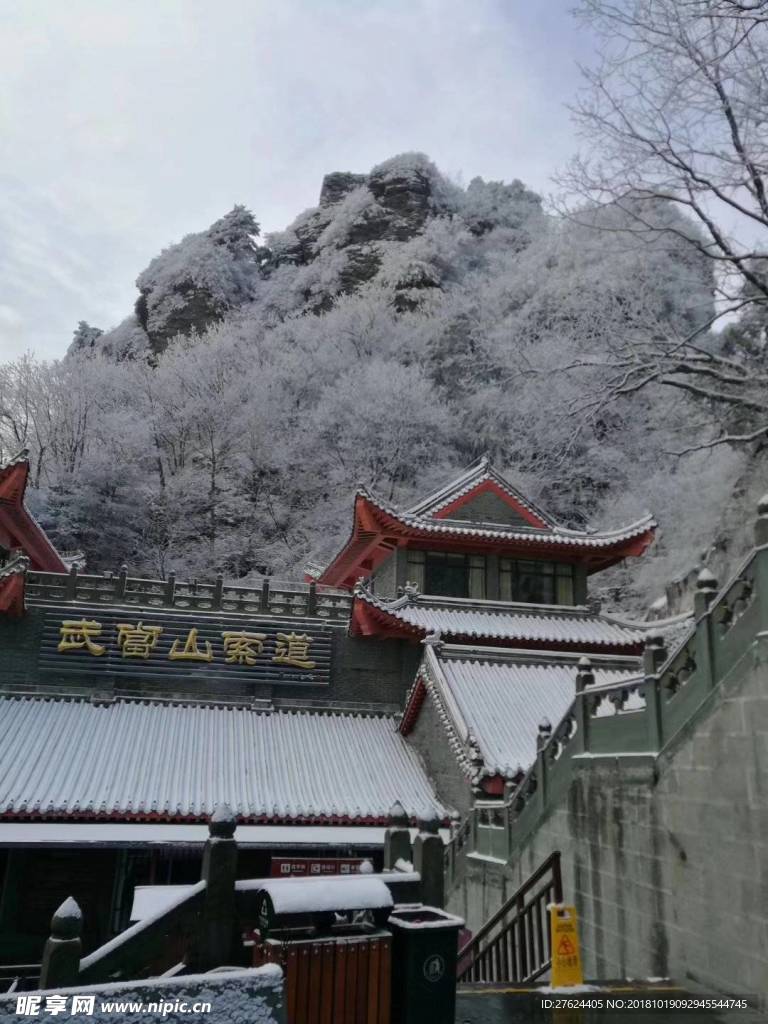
(269, 597)
(637, 718)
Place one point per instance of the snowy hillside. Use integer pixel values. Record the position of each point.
(388, 336)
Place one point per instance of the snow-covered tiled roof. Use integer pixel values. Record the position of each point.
(492, 620)
(468, 481)
(136, 760)
(17, 565)
(555, 535)
(499, 699)
(22, 455)
(378, 526)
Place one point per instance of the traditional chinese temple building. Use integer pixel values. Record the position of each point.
(419, 666)
(495, 593)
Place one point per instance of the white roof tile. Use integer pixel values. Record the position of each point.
(552, 535)
(502, 701)
(131, 759)
(496, 621)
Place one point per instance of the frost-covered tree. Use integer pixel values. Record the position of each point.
(674, 110)
(195, 282)
(85, 337)
(390, 336)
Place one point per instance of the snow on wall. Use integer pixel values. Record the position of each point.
(235, 997)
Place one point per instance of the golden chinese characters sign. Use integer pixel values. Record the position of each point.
(160, 644)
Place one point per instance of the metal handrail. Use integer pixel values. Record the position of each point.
(519, 926)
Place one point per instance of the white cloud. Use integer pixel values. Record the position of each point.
(10, 317)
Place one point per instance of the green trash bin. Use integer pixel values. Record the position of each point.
(424, 955)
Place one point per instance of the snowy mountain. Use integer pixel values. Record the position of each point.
(389, 335)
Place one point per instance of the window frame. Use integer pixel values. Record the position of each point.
(560, 577)
(475, 576)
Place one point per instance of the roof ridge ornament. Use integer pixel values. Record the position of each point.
(434, 640)
(17, 563)
(22, 455)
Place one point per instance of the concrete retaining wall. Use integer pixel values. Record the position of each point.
(667, 858)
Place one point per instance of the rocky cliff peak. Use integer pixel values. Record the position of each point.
(362, 226)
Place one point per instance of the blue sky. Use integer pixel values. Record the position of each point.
(124, 126)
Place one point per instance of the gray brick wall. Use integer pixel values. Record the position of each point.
(430, 739)
(667, 861)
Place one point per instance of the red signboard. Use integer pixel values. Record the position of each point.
(299, 867)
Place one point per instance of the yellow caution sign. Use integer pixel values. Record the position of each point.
(566, 958)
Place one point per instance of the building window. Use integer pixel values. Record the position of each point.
(416, 569)
(535, 582)
(447, 574)
(476, 576)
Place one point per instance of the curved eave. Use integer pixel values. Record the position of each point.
(18, 526)
(368, 619)
(88, 814)
(378, 530)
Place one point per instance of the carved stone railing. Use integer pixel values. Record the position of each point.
(269, 597)
(639, 717)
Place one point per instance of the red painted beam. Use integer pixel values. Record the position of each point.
(12, 595)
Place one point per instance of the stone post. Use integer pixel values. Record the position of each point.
(429, 861)
(218, 591)
(585, 677)
(654, 656)
(706, 590)
(542, 738)
(397, 838)
(61, 957)
(218, 926)
(761, 565)
(71, 591)
(761, 525)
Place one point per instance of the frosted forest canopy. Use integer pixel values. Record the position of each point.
(389, 336)
(407, 324)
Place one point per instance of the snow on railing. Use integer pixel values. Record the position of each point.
(642, 716)
(156, 941)
(266, 597)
